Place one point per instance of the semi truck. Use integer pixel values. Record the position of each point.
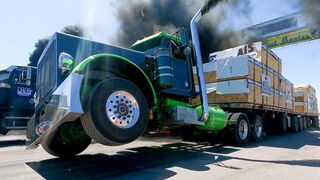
(17, 87)
(90, 90)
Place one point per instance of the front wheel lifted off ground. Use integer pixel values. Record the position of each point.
(241, 130)
(116, 112)
(68, 140)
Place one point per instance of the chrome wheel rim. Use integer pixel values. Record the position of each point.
(258, 128)
(243, 129)
(122, 109)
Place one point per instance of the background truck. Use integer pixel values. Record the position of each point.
(88, 90)
(17, 87)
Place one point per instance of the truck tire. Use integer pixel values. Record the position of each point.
(300, 124)
(304, 123)
(315, 122)
(241, 130)
(283, 123)
(3, 131)
(294, 124)
(116, 113)
(257, 129)
(68, 140)
(309, 122)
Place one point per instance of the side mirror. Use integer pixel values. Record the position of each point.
(65, 63)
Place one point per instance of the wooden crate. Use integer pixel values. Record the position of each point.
(276, 81)
(307, 89)
(210, 77)
(282, 100)
(264, 55)
(301, 99)
(268, 100)
(301, 109)
(282, 83)
(273, 61)
(257, 93)
(276, 98)
(257, 71)
(280, 66)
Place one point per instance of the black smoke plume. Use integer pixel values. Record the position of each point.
(41, 44)
(311, 11)
(139, 19)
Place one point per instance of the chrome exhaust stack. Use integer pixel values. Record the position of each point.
(196, 47)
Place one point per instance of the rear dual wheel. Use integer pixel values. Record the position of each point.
(241, 129)
(257, 129)
(294, 124)
(300, 124)
(283, 123)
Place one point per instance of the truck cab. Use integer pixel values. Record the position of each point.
(17, 88)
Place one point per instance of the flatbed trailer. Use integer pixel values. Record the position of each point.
(272, 112)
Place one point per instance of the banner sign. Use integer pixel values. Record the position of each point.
(293, 38)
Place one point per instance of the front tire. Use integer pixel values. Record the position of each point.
(68, 140)
(116, 113)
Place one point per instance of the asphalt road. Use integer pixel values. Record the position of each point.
(290, 156)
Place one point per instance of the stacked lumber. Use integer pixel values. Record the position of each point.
(305, 100)
(247, 74)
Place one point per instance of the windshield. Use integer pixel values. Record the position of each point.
(4, 75)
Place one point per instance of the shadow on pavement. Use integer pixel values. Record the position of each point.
(194, 157)
(7, 143)
(290, 140)
(99, 166)
(305, 162)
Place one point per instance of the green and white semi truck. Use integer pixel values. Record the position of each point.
(89, 90)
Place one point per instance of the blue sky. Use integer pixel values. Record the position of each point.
(22, 23)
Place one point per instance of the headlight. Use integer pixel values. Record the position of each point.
(5, 85)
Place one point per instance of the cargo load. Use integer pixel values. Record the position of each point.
(257, 50)
(247, 74)
(305, 100)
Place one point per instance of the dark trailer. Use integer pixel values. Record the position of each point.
(17, 87)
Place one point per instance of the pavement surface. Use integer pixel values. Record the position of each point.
(289, 156)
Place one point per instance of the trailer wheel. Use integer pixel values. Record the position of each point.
(300, 124)
(315, 122)
(283, 122)
(116, 112)
(241, 130)
(294, 124)
(304, 123)
(309, 121)
(3, 131)
(68, 140)
(258, 128)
